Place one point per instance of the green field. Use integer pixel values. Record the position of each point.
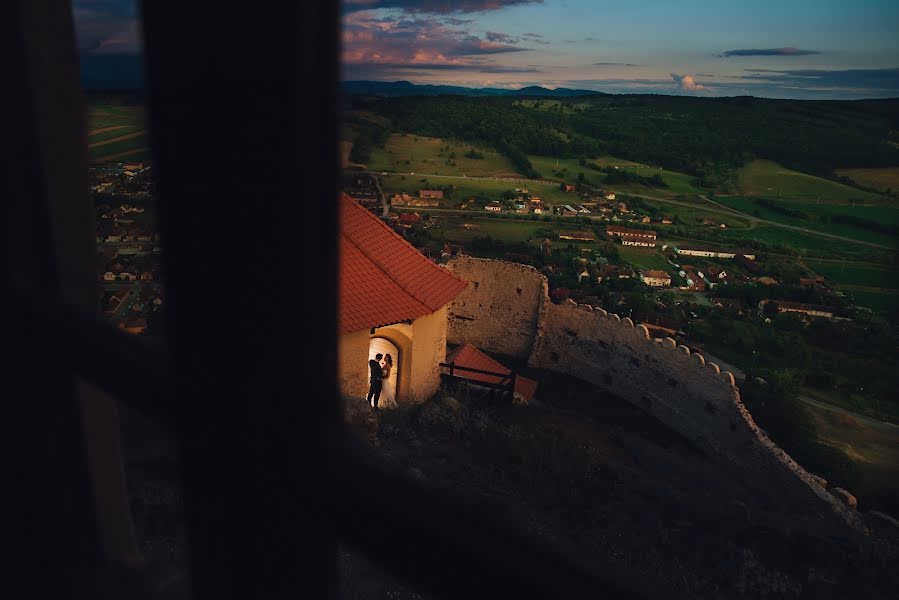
(112, 151)
(873, 448)
(468, 187)
(881, 214)
(548, 167)
(848, 273)
(802, 241)
(438, 156)
(880, 179)
(505, 230)
(766, 178)
(643, 258)
(127, 120)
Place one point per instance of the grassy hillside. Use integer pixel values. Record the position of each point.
(884, 179)
(821, 217)
(406, 153)
(767, 178)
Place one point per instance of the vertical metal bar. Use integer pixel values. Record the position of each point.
(73, 516)
(243, 124)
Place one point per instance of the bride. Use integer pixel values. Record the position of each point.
(388, 399)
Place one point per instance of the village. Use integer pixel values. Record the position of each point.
(598, 249)
(128, 247)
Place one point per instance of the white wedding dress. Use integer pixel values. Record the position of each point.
(388, 385)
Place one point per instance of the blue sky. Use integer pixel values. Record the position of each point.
(783, 48)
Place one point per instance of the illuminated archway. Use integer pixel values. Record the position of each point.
(398, 344)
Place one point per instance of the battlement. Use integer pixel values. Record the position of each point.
(506, 309)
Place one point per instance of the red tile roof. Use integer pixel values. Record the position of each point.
(469, 356)
(383, 278)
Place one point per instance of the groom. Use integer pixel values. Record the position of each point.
(374, 389)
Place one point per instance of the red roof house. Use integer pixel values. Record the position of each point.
(391, 291)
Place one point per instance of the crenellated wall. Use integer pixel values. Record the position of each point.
(694, 398)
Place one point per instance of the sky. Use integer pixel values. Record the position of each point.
(816, 49)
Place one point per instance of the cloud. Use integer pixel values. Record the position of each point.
(614, 64)
(768, 52)
(439, 7)
(107, 26)
(687, 83)
(877, 82)
(495, 36)
(380, 45)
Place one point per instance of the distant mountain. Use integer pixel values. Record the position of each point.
(407, 88)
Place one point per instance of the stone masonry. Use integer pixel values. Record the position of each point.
(506, 309)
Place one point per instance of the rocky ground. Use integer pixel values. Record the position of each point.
(587, 470)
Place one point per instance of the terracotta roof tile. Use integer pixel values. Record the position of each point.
(471, 357)
(383, 278)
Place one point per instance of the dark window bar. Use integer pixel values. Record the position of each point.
(270, 480)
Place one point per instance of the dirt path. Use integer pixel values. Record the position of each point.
(879, 425)
(120, 138)
(105, 129)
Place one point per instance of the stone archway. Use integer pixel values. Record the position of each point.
(398, 343)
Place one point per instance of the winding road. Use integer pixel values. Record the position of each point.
(715, 207)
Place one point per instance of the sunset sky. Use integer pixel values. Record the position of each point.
(794, 48)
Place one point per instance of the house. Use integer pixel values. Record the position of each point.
(568, 211)
(392, 300)
(656, 278)
(470, 357)
(709, 252)
(812, 310)
(637, 240)
(109, 276)
(644, 219)
(622, 207)
(582, 209)
(407, 220)
(734, 304)
(567, 188)
(127, 276)
(766, 280)
(146, 276)
(580, 236)
(494, 206)
(430, 194)
(647, 234)
(609, 195)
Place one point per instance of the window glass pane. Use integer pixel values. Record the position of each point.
(657, 337)
(129, 274)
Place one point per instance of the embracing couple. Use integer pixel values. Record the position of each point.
(380, 367)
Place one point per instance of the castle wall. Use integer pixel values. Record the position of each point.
(500, 309)
(677, 387)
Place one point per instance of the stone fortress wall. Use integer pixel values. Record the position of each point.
(506, 309)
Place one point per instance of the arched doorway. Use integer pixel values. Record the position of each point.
(380, 345)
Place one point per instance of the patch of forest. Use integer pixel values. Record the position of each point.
(706, 137)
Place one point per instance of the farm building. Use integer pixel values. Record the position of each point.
(656, 278)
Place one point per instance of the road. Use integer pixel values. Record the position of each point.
(716, 207)
(882, 425)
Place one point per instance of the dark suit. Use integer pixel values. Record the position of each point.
(374, 389)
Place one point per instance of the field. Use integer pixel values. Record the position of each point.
(117, 132)
(643, 258)
(802, 241)
(881, 214)
(467, 187)
(872, 286)
(880, 179)
(873, 447)
(678, 183)
(766, 178)
(406, 153)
